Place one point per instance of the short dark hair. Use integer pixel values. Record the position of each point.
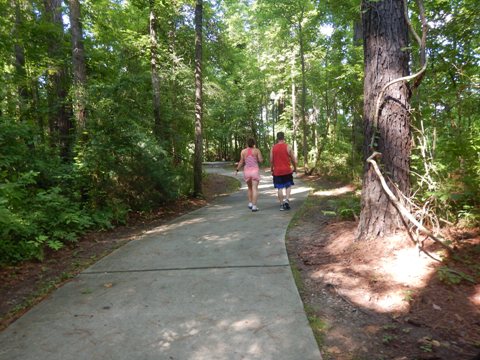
(251, 142)
(280, 135)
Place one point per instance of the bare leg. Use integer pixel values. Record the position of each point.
(288, 190)
(254, 192)
(249, 183)
(280, 195)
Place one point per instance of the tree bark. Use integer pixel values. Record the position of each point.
(385, 34)
(20, 72)
(60, 124)
(174, 89)
(79, 67)
(304, 98)
(294, 107)
(198, 153)
(158, 127)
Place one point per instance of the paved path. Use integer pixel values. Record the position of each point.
(213, 284)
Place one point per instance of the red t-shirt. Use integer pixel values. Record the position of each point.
(281, 160)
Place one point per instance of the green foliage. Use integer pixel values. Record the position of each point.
(447, 153)
(452, 277)
(34, 218)
(449, 180)
(35, 211)
(46, 204)
(335, 162)
(122, 165)
(252, 62)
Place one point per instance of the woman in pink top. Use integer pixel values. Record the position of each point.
(251, 157)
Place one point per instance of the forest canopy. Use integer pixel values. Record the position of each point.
(97, 104)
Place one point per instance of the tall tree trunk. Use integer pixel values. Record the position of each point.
(334, 119)
(253, 128)
(79, 67)
(174, 89)
(324, 140)
(385, 32)
(198, 156)
(294, 119)
(266, 138)
(59, 112)
(294, 107)
(357, 31)
(158, 126)
(20, 72)
(273, 122)
(304, 98)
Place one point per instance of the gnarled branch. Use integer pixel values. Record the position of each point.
(399, 206)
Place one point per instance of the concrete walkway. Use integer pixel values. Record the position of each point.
(213, 284)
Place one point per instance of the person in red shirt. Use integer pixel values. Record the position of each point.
(281, 156)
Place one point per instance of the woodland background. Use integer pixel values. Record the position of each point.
(97, 105)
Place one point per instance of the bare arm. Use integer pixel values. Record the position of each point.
(292, 158)
(259, 156)
(242, 160)
(271, 160)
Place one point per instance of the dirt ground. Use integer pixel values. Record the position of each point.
(374, 300)
(25, 284)
(383, 299)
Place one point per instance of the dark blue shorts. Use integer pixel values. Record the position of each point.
(283, 181)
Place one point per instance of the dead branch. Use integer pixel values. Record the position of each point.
(399, 206)
(423, 44)
(419, 75)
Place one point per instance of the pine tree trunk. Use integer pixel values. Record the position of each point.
(385, 34)
(198, 156)
(79, 67)
(294, 108)
(304, 100)
(158, 129)
(60, 124)
(20, 72)
(174, 89)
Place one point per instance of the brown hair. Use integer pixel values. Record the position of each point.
(280, 135)
(251, 142)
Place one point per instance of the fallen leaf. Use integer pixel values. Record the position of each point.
(436, 343)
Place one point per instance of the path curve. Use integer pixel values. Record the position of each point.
(212, 284)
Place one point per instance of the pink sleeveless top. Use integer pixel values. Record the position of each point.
(251, 169)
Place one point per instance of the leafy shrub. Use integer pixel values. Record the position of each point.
(451, 186)
(33, 218)
(337, 163)
(123, 165)
(46, 202)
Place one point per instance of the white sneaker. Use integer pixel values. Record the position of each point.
(250, 205)
(254, 208)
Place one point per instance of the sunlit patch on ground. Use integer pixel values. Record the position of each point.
(335, 192)
(475, 298)
(407, 266)
(382, 285)
(383, 295)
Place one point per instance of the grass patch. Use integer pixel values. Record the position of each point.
(308, 205)
(44, 290)
(319, 326)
